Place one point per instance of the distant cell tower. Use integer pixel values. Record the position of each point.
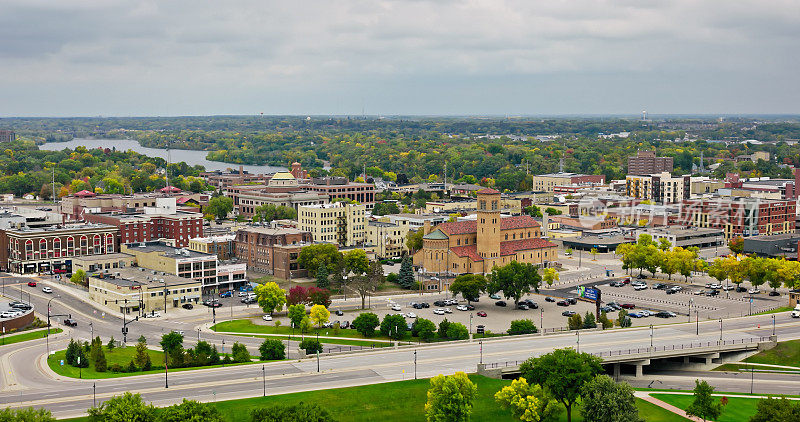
(644, 115)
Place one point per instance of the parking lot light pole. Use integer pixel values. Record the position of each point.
(773, 324)
(578, 333)
(264, 379)
(470, 323)
(697, 319)
(415, 363)
(47, 336)
(651, 336)
(720, 330)
(691, 301)
(480, 342)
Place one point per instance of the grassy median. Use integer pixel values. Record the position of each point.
(738, 409)
(33, 335)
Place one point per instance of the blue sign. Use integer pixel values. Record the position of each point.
(589, 293)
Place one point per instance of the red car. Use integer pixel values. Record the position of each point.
(31, 284)
(627, 280)
(627, 306)
(481, 314)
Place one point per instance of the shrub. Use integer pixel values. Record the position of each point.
(424, 329)
(589, 321)
(296, 412)
(443, 326)
(522, 326)
(239, 353)
(457, 331)
(115, 368)
(575, 322)
(394, 326)
(132, 366)
(623, 320)
(607, 323)
(272, 349)
(366, 323)
(311, 346)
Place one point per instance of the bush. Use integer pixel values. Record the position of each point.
(575, 322)
(457, 331)
(296, 412)
(311, 346)
(239, 353)
(623, 320)
(366, 323)
(522, 326)
(607, 323)
(190, 410)
(124, 408)
(132, 366)
(272, 349)
(443, 326)
(71, 355)
(393, 278)
(424, 329)
(100, 361)
(115, 368)
(394, 326)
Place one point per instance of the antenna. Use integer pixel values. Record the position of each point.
(644, 115)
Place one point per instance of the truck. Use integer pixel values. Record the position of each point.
(796, 311)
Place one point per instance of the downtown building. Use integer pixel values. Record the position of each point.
(743, 217)
(163, 221)
(646, 162)
(659, 188)
(339, 223)
(273, 251)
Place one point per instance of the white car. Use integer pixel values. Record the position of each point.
(448, 311)
(640, 287)
(395, 307)
(462, 307)
(411, 315)
(438, 311)
(152, 315)
(46, 289)
(698, 292)
(728, 287)
(8, 314)
(715, 286)
(677, 288)
(754, 291)
(646, 313)
(796, 312)
(267, 317)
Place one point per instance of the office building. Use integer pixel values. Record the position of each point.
(161, 221)
(659, 188)
(339, 223)
(743, 217)
(272, 251)
(140, 291)
(549, 182)
(646, 162)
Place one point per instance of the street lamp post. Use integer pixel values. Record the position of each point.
(651, 336)
(415, 364)
(470, 323)
(720, 330)
(773, 324)
(198, 334)
(578, 333)
(480, 343)
(264, 379)
(697, 320)
(47, 337)
(691, 301)
(94, 394)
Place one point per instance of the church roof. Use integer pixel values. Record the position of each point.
(435, 235)
(489, 191)
(506, 223)
(509, 247)
(283, 175)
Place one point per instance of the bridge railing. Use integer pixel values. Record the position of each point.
(641, 350)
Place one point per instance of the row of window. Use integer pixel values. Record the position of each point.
(55, 248)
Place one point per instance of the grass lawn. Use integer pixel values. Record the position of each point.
(785, 353)
(33, 335)
(776, 311)
(402, 401)
(121, 356)
(738, 409)
(736, 367)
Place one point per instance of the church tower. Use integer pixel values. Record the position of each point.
(488, 226)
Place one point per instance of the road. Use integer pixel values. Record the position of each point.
(34, 385)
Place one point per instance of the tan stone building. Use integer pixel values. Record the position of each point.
(475, 246)
(138, 290)
(338, 223)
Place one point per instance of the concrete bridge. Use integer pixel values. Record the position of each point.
(674, 355)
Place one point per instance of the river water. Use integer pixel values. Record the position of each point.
(191, 157)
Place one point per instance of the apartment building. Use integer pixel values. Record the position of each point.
(223, 246)
(161, 221)
(743, 217)
(339, 223)
(660, 188)
(340, 187)
(272, 250)
(646, 162)
(387, 240)
(548, 182)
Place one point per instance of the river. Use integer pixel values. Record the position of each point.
(191, 157)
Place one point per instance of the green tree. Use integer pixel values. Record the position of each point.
(550, 275)
(589, 320)
(457, 331)
(305, 324)
(424, 329)
(27, 414)
(623, 320)
(704, 405)
(414, 240)
(270, 212)
(300, 412)
(607, 323)
(394, 326)
(607, 401)
(270, 297)
(78, 277)
(515, 280)
(522, 326)
(312, 256)
(563, 372)
(239, 353)
(110, 346)
(125, 408)
(322, 276)
(444, 325)
(190, 411)
(664, 244)
(272, 349)
(365, 323)
(319, 315)
(736, 245)
(356, 261)
(450, 398)
(311, 346)
(771, 409)
(575, 322)
(71, 355)
(100, 363)
(368, 283)
(296, 314)
(142, 357)
(219, 207)
(470, 286)
(172, 345)
(406, 273)
(529, 403)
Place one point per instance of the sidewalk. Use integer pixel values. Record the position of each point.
(645, 395)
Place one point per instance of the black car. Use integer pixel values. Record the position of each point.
(663, 314)
(425, 305)
(616, 284)
(660, 286)
(470, 307)
(549, 299)
(522, 306)
(187, 306)
(572, 300)
(70, 322)
(741, 289)
(416, 305)
(641, 276)
(774, 293)
(714, 292)
(480, 329)
(531, 304)
(607, 309)
(498, 303)
(562, 303)
(345, 324)
(439, 303)
(671, 291)
(339, 312)
(568, 313)
(21, 306)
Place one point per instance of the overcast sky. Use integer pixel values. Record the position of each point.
(194, 57)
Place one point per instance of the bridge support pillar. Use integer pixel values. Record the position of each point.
(617, 370)
(639, 369)
(709, 360)
(686, 360)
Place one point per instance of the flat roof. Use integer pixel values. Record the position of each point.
(130, 277)
(272, 231)
(105, 257)
(61, 228)
(168, 250)
(773, 237)
(685, 230)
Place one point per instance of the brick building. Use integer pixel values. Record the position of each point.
(36, 250)
(7, 136)
(340, 187)
(272, 251)
(162, 221)
(743, 217)
(548, 182)
(646, 162)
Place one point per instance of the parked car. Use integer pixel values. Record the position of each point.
(568, 313)
(480, 329)
(715, 286)
(531, 304)
(494, 296)
(22, 306)
(677, 287)
(660, 286)
(572, 300)
(448, 311)
(754, 291)
(249, 300)
(500, 303)
(641, 286)
(46, 289)
(439, 303)
(712, 293)
(616, 284)
(8, 314)
(461, 307)
(345, 324)
(438, 311)
(70, 322)
(549, 299)
(411, 315)
(226, 293)
(614, 305)
(339, 312)
(522, 307)
(646, 313)
(627, 280)
(671, 291)
(396, 307)
(187, 306)
(425, 305)
(562, 303)
(153, 314)
(31, 284)
(635, 315)
(627, 306)
(774, 293)
(243, 293)
(470, 307)
(728, 287)
(481, 314)
(416, 305)
(740, 289)
(641, 276)
(607, 309)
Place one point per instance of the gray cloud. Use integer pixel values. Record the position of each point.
(119, 57)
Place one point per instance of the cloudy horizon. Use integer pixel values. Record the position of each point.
(414, 57)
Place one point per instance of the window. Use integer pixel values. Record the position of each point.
(98, 245)
(70, 246)
(109, 243)
(84, 245)
(43, 248)
(57, 248)
(29, 249)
